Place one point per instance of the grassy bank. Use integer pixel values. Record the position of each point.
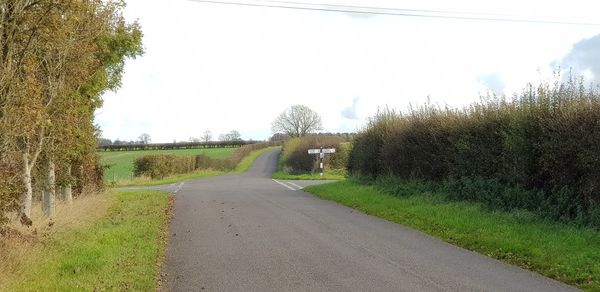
(247, 162)
(146, 181)
(562, 252)
(121, 162)
(119, 247)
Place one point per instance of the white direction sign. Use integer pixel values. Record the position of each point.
(317, 151)
(321, 152)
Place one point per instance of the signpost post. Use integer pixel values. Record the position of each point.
(321, 152)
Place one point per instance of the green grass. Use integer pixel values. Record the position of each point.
(121, 162)
(120, 252)
(167, 180)
(334, 174)
(562, 252)
(243, 166)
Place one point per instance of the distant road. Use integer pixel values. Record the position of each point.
(250, 233)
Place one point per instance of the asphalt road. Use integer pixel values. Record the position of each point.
(248, 232)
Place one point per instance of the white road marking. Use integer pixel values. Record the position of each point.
(285, 185)
(299, 187)
(179, 188)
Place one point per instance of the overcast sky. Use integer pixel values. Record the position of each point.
(222, 67)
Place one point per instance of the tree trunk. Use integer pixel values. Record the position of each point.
(68, 189)
(28, 194)
(50, 192)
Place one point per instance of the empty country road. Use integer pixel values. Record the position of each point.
(247, 232)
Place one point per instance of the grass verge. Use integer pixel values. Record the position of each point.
(146, 181)
(562, 252)
(121, 250)
(328, 175)
(247, 162)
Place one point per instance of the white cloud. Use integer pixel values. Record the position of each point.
(350, 112)
(493, 82)
(584, 58)
(222, 67)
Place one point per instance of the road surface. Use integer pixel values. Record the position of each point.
(247, 232)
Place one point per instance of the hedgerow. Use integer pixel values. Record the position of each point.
(539, 150)
(163, 165)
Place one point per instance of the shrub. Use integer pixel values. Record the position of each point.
(245, 150)
(295, 152)
(538, 151)
(160, 166)
(340, 159)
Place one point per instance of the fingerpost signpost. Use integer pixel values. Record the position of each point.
(321, 152)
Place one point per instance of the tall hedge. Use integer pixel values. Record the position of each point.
(539, 151)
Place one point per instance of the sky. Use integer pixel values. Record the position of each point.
(225, 67)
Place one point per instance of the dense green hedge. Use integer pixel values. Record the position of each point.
(162, 165)
(296, 159)
(539, 151)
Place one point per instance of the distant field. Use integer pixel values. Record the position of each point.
(121, 162)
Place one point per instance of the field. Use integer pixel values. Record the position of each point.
(563, 252)
(121, 162)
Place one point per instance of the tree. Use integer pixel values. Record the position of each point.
(144, 138)
(231, 136)
(57, 58)
(278, 137)
(104, 141)
(297, 121)
(207, 136)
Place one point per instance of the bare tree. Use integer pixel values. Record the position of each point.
(231, 136)
(207, 136)
(297, 121)
(144, 138)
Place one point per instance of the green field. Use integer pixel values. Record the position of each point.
(563, 252)
(121, 162)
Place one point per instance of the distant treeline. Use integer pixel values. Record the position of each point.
(345, 136)
(168, 146)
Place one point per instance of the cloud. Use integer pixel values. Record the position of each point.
(584, 57)
(350, 112)
(493, 82)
